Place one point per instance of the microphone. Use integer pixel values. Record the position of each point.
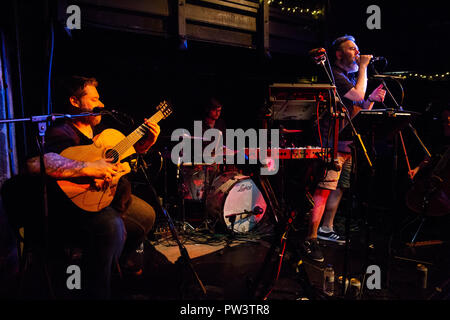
(113, 113)
(317, 51)
(375, 59)
(318, 54)
(256, 210)
(108, 111)
(99, 110)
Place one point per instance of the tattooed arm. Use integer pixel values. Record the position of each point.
(59, 167)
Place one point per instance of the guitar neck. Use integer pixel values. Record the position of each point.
(137, 134)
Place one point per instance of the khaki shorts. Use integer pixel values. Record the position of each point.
(338, 179)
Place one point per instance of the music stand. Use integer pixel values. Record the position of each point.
(378, 122)
(381, 123)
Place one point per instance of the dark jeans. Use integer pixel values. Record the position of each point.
(138, 219)
(103, 237)
(110, 236)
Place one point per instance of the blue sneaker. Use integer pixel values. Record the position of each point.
(330, 236)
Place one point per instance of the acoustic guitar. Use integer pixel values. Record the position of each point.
(94, 194)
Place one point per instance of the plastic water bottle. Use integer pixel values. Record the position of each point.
(355, 288)
(328, 280)
(341, 284)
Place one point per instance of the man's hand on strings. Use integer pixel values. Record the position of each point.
(102, 169)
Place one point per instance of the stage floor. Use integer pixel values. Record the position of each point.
(243, 269)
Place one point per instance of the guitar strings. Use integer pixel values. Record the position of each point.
(133, 137)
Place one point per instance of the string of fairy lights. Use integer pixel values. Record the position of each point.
(433, 77)
(419, 76)
(295, 7)
(286, 6)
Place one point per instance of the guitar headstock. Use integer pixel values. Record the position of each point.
(165, 108)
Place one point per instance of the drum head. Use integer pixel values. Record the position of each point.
(236, 194)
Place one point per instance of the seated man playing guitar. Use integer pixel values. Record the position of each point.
(108, 231)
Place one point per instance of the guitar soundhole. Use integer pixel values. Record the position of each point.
(111, 153)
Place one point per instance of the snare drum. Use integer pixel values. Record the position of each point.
(235, 194)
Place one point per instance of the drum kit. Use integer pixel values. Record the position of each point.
(235, 197)
(232, 201)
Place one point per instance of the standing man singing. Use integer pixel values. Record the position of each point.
(350, 74)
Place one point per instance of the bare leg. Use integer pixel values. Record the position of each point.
(331, 207)
(320, 199)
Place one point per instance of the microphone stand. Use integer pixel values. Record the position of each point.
(321, 60)
(42, 121)
(398, 107)
(184, 259)
(258, 287)
(232, 236)
(413, 130)
(232, 218)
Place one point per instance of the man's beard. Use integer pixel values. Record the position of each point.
(91, 120)
(351, 64)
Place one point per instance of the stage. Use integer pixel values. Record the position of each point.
(235, 271)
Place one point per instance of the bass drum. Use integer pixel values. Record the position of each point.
(233, 193)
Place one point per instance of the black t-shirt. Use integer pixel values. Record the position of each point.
(219, 124)
(62, 136)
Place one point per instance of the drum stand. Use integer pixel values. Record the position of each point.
(179, 177)
(207, 188)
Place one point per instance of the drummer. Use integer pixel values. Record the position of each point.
(213, 110)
